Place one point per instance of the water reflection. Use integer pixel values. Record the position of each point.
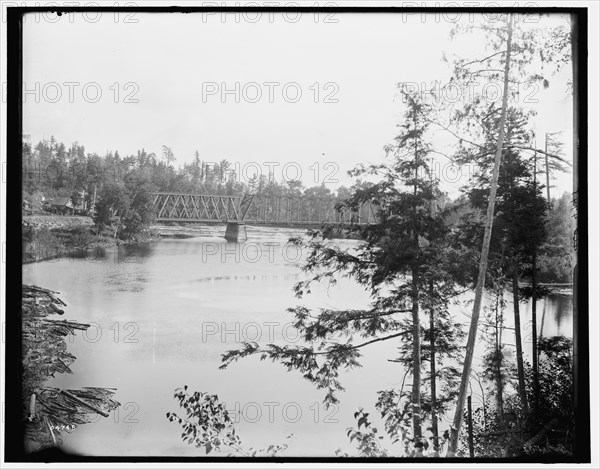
(563, 307)
(554, 315)
(254, 278)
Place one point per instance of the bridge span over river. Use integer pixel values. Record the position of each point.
(237, 211)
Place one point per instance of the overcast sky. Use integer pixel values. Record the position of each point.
(168, 74)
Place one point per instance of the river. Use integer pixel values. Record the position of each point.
(163, 313)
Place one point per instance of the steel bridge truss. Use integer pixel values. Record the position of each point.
(190, 207)
(257, 209)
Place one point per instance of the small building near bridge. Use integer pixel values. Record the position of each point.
(61, 205)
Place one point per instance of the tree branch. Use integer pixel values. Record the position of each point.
(484, 59)
(560, 158)
(375, 340)
(370, 316)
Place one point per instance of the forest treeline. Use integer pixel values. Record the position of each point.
(51, 168)
(112, 183)
(55, 169)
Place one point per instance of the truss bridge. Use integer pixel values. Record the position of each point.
(236, 211)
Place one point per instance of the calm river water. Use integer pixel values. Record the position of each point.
(163, 313)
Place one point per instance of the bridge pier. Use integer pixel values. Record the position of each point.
(236, 232)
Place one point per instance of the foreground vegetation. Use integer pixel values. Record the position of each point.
(414, 262)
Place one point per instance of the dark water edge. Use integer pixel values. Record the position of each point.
(66, 251)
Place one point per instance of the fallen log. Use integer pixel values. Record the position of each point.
(83, 403)
(40, 289)
(538, 437)
(31, 415)
(51, 431)
(72, 324)
(45, 354)
(56, 299)
(56, 309)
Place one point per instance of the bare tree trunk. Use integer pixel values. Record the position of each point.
(498, 370)
(434, 420)
(547, 171)
(519, 344)
(416, 332)
(543, 317)
(534, 339)
(416, 336)
(462, 395)
(470, 417)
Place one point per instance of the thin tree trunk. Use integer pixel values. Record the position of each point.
(520, 369)
(547, 171)
(416, 332)
(416, 336)
(470, 416)
(434, 420)
(499, 384)
(543, 318)
(534, 339)
(462, 395)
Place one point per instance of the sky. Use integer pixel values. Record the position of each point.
(305, 96)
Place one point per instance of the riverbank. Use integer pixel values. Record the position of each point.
(47, 237)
